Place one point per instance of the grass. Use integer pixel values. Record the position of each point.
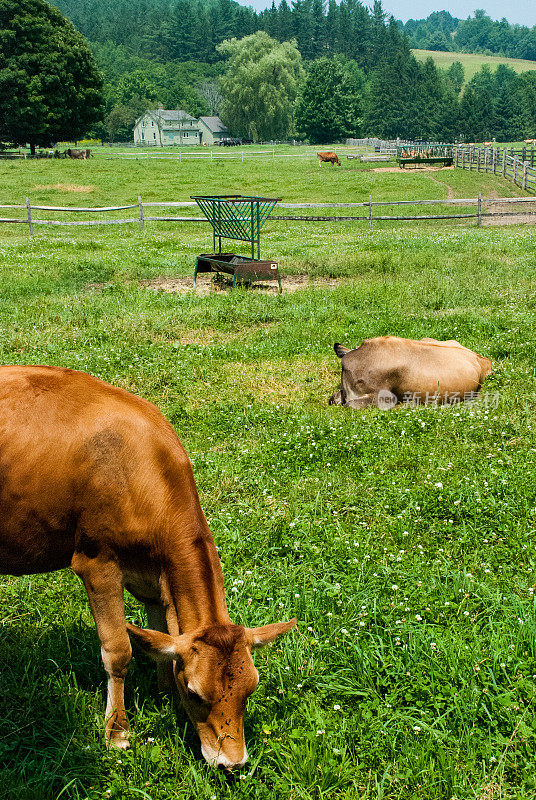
(402, 541)
(473, 62)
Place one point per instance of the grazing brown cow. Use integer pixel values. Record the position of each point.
(330, 157)
(388, 370)
(78, 153)
(95, 478)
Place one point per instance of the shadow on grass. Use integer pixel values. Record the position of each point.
(52, 701)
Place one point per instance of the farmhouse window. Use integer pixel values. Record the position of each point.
(154, 135)
(185, 135)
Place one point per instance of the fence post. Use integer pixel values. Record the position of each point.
(370, 210)
(525, 165)
(514, 175)
(478, 160)
(29, 211)
(463, 159)
(142, 222)
(479, 218)
(504, 163)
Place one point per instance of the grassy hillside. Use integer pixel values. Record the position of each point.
(472, 62)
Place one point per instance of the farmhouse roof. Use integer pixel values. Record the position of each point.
(214, 124)
(172, 116)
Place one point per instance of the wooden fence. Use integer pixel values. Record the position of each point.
(477, 208)
(516, 165)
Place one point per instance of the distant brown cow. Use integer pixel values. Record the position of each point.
(388, 370)
(78, 153)
(330, 157)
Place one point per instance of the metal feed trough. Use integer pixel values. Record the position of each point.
(240, 218)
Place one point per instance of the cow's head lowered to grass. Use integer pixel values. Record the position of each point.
(215, 674)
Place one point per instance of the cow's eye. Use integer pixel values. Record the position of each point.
(194, 697)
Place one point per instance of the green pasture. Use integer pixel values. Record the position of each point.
(402, 541)
(473, 62)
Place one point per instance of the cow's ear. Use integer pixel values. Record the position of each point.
(159, 646)
(259, 637)
(340, 349)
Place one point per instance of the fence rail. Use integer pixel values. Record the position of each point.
(482, 209)
(515, 165)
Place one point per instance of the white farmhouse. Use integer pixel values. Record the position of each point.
(161, 128)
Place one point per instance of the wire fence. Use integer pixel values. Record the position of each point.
(215, 155)
(478, 208)
(515, 165)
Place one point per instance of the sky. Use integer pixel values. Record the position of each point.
(520, 12)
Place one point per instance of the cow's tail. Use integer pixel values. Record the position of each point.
(340, 349)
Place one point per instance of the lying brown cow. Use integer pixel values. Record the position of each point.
(95, 478)
(78, 153)
(330, 157)
(388, 370)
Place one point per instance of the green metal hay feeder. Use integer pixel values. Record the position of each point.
(241, 218)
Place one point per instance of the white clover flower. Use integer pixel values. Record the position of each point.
(336, 707)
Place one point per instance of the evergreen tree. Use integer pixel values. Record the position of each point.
(456, 76)
(323, 112)
(477, 106)
(50, 88)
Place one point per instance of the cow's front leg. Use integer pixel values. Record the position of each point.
(104, 585)
(156, 619)
(335, 399)
(361, 402)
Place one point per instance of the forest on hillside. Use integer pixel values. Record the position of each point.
(170, 51)
(476, 34)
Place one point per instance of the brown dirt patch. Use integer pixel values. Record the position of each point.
(415, 169)
(64, 187)
(290, 283)
(509, 214)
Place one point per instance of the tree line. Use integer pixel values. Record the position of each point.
(334, 97)
(476, 34)
(262, 85)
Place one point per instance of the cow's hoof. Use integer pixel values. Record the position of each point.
(118, 741)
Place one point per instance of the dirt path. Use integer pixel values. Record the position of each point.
(401, 171)
(450, 195)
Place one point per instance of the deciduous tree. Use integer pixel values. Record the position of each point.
(260, 86)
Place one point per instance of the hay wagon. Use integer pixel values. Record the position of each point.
(415, 155)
